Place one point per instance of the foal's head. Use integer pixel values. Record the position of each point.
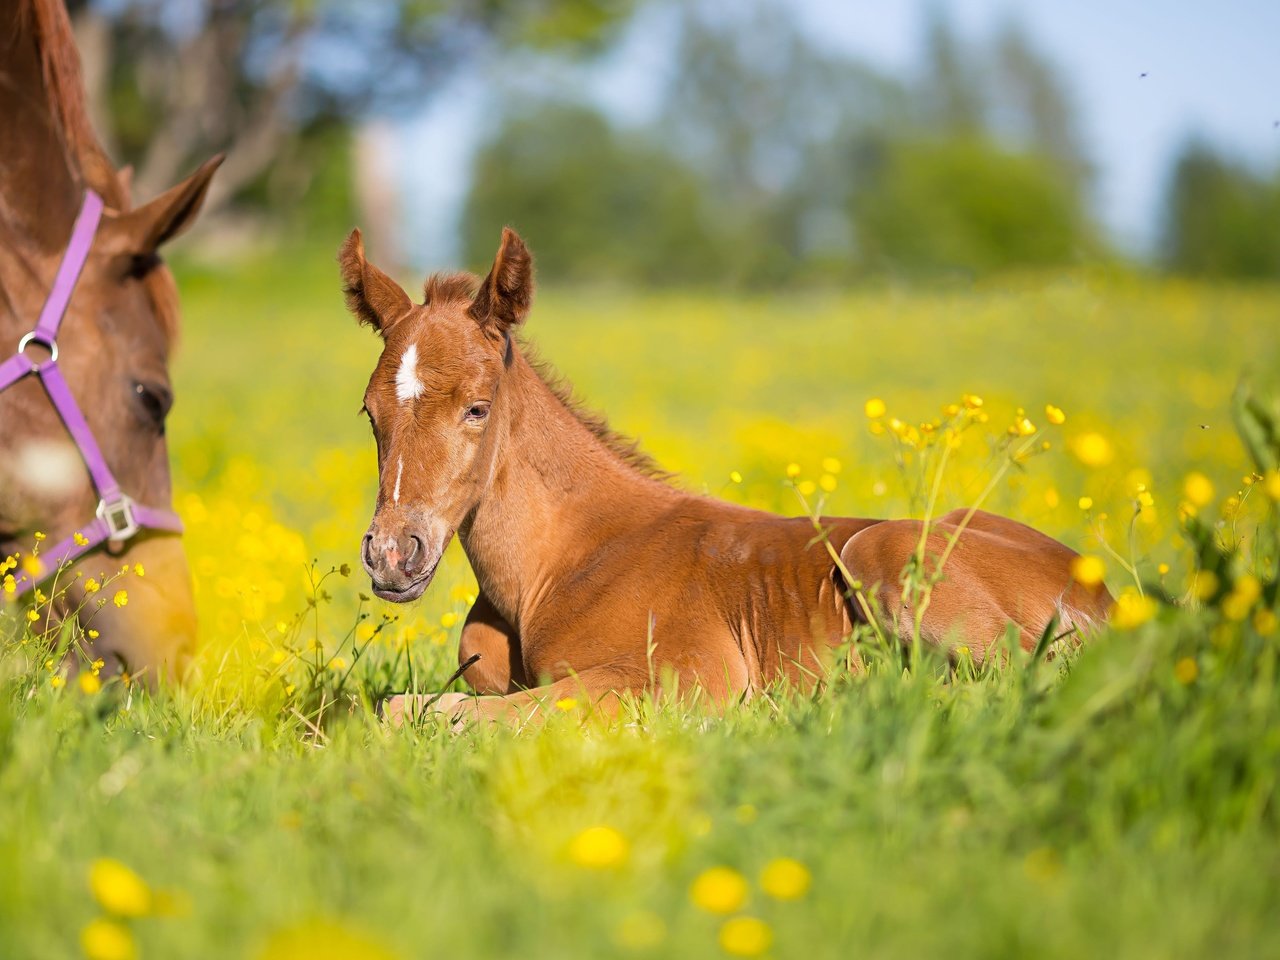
(435, 403)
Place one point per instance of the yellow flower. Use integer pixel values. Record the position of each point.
(338, 664)
(80, 539)
(33, 615)
(1092, 449)
(1086, 503)
(745, 937)
(93, 634)
(735, 476)
(1264, 621)
(1240, 600)
(1132, 609)
(785, 879)
(1271, 484)
(1088, 570)
(827, 482)
(1185, 671)
(1162, 569)
(104, 939)
(119, 890)
(599, 848)
(793, 470)
(719, 890)
(39, 536)
(971, 401)
(1204, 584)
(10, 585)
(137, 569)
(56, 681)
(448, 620)
(806, 487)
(89, 683)
(92, 586)
(1023, 427)
(1054, 415)
(831, 465)
(874, 408)
(567, 704)
(1198, 489)
(33, 566)
(121, 598)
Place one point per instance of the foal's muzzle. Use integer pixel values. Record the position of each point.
(400, 564)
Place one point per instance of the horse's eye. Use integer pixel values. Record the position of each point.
(154, 400)
(477, 412)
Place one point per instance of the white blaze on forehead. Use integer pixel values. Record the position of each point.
(408, 384)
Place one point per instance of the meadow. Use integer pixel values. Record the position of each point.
(1120, 801)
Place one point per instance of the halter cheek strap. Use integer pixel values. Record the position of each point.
(118, 518)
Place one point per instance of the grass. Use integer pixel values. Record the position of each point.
(1121, 804)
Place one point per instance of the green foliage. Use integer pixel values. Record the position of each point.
(967, 204)
(1221, 219)
(597, 204)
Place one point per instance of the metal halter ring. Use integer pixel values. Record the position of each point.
(34, 337)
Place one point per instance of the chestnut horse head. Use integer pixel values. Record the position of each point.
(435, 403)
(113, 345)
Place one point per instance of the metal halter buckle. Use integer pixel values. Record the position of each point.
(119, 518)
(36, 337)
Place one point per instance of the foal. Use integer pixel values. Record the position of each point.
(596, 575)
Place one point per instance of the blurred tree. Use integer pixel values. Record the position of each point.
(268, 80)
(596, 204)
(965, 204)
(952, 92)
(1220, 219)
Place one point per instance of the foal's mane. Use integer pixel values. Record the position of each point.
(445, 287)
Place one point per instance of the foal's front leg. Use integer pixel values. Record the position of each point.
(597, 689)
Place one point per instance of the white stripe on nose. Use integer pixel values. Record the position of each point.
(399, 473)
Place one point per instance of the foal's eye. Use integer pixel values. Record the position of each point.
(477, 412)
(154, 400)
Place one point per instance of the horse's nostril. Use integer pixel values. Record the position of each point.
(366, 551)
(414, 560)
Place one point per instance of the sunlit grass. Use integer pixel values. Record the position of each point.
(1121, 800)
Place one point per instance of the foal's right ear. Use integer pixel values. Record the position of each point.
(505, 295)
(371, 295)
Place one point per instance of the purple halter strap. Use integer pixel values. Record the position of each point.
(118, 517)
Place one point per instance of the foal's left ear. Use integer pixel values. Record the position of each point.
(504, 297)
(142, 230)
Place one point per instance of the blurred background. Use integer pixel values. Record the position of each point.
(687, 142)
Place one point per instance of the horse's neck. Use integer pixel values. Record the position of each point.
(557, 493)
(38, 193)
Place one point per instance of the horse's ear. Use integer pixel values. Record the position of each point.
(143, 229)
(507, 292)
(371, 295)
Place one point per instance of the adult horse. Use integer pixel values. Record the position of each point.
(596, 576)
(88, 317)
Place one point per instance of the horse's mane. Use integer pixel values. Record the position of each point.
(64, 85)
(444, 287)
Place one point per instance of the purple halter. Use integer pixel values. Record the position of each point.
(118, 518)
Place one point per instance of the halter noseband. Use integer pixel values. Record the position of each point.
(118, 518)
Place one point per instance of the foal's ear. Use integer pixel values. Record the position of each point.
(506, 293)
(372, 296)
(142, 230)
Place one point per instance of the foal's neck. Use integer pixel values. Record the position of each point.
(558, 492)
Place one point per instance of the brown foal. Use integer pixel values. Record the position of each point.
(596, 575)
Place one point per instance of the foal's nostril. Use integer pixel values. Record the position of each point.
(413, 562)
(366, 552)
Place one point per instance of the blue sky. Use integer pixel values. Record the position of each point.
(1211, 68)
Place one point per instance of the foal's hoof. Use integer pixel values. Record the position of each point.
(412, 706)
